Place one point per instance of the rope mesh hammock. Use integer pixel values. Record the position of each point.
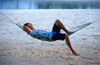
(73, 30)
(45, 39)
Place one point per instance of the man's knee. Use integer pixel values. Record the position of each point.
(57, 21)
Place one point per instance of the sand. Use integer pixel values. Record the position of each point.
(18, 48)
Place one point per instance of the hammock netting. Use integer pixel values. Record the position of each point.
(72, 30)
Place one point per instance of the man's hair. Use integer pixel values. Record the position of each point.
(26, 24)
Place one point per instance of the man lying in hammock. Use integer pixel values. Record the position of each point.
(53, 35)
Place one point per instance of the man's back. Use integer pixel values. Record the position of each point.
(41, 34)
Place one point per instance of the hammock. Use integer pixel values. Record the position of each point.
(73, 30)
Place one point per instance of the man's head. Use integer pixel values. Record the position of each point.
(29, 25)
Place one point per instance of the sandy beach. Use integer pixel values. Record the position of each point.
(18, 48)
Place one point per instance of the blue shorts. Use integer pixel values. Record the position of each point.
(57, 35)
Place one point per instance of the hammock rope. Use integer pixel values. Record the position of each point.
(79, 28)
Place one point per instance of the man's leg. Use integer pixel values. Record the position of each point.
(69, 45)
(60, 24)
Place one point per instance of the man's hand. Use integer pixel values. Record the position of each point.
(27, 29)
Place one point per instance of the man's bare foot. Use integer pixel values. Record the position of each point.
(70, 32)
(75, 54)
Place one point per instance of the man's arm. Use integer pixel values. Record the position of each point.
(27, 29)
